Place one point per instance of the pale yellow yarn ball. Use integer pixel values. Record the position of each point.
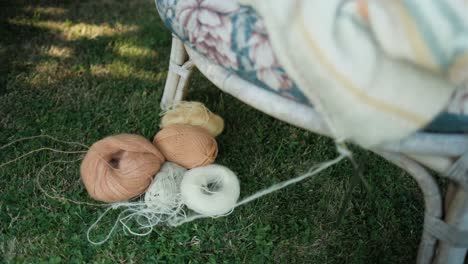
(195, 114)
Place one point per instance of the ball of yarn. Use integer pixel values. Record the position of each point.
(163, 195)
(186, 145)
(210, 190)
(195, 114)
(121, 167)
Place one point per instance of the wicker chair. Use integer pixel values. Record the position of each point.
(445, 231)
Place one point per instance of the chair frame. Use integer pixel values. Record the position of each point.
(440, 242)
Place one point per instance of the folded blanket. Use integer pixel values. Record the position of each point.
(376, 70)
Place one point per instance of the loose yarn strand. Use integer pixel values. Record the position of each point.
(43, 136)
(42, 149)
(319, 168)
(137, 211)
(313, 171)
(39, 150)
(96, 222)
(39, 185)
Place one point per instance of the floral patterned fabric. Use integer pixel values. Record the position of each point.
(232, 36)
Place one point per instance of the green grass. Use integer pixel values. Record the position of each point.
(83, 70)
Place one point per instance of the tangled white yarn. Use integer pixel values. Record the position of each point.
(164, 195)
(162, 204)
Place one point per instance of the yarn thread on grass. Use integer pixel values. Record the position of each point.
(147, 218)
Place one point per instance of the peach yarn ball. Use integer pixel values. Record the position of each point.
(120, 167)
(195, 114)
(186, 145)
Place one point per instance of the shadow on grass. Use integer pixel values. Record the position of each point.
(80, 35)
(74, 55)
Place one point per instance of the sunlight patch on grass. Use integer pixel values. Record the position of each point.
(46, 73)
(70, 31)
(119, 69)
(132, 51)
(93, 31)
(59, 52)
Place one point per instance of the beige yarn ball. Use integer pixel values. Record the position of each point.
(186, 145)
(121, 167)
(195, 114)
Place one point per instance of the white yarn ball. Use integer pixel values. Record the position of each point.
(163, 195)
(210, 190)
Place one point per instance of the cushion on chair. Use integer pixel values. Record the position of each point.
(234, 37)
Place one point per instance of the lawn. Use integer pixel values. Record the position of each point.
(83, 70)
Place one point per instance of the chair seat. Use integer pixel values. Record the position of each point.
(234, 37)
